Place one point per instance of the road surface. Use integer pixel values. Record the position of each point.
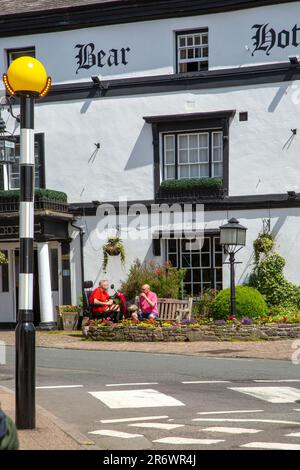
(123, 400)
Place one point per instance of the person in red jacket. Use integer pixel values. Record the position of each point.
(103, 306)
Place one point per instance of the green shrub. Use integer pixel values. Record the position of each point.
(165, 281)
(193, 183)
(249, 303)
(269, 279)
(49, 194)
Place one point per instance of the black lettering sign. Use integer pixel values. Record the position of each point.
(266, 38)
(87, 57)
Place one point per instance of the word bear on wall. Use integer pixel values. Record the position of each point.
(87, 57)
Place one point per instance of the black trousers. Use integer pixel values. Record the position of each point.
(112, 314)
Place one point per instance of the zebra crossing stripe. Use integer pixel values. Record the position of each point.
(232, 430)
(166, 426)
(271, 446)
(111, 433)
(271, 394)
(187, 441)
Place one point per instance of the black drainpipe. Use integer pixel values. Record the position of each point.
(81, 235)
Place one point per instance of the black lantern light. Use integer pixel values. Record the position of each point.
(233, 239)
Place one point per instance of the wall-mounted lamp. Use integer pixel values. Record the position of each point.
(291, 195)
(294, 131)
(102, 86)
(96, 80)
(294, 61)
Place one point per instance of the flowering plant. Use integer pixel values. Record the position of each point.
(69, 308)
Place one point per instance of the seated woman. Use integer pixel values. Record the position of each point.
(147, 305)
(103, 306)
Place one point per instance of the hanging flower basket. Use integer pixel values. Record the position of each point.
(113, 247)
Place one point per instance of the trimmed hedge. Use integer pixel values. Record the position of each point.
(49, 194)
(249, 303)
(193, 184)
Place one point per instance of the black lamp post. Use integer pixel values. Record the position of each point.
(232, 238)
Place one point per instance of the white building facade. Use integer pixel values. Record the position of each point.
(144, 93)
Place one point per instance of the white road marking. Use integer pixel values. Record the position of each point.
(228, 412)
(271, 445)
(59, 386)
(131, 384)
(207, 382)
(146, 398)
(125, 420)
(232, 430)
(110, 433)
(241, 420)
(187, 441)
(277, 381)
(166, 426)
(293, 434)
(271, 394)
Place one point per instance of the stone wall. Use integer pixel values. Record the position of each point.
(209, 332)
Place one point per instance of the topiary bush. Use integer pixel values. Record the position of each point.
(268, 277)
(249, 303)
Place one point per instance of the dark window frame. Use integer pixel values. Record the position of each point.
(186, 33)
(189, 123)
(18, 49)
(212, 235)
(39, 139)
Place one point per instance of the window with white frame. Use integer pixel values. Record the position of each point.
(192, 51)
(193, 155)
(13, 54)
(10, 173)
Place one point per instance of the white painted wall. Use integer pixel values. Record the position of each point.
(264, 159)
(152, 43)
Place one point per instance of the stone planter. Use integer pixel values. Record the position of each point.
(69, 320)
(209, 332)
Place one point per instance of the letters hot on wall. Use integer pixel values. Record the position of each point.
(266, 38)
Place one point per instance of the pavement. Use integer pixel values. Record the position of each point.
(50, 433)
(132, 400)
(249, 349)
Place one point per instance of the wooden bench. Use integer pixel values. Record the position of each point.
(173, 309)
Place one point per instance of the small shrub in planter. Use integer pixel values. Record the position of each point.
(69, 316)
(249, 303)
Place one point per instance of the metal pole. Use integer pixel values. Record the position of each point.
(232, 285)
(25, 330)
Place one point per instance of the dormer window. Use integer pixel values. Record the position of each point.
(192, 51)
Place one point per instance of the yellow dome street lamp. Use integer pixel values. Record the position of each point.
(27, 79)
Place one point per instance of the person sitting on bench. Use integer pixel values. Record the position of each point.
(102, 305)
(147, 305)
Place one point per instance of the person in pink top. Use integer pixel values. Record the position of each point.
(147, 305)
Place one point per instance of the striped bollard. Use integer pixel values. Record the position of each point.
(25, 330)
(27, 79)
